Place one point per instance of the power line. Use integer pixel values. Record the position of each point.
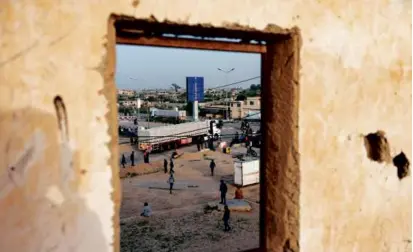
(187, 136)
(231, 84)
(234, 83)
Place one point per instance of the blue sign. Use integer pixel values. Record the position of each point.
(194, 89)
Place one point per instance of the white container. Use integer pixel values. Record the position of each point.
(170, 113)
(247, 172)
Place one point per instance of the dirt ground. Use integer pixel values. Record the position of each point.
(178, 221)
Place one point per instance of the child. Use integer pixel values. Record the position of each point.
(238, 193)
(147, 211)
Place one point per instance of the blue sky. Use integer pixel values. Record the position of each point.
(156, 67)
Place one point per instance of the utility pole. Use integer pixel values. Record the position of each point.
(148, 116)
(138, 100)
(226, 93)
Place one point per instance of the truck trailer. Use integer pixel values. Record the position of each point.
(172, 136)
(179, 114)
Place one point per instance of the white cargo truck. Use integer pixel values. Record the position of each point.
(247, 172)
(179, 114)
(172, 136)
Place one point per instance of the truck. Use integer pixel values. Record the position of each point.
(172, 136)
(246, 172)
(179, 114)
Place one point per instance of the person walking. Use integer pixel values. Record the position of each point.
(212, 166)
(165, 165)
(223, 189)
(171, 164)
(123, 162)
(171, 182)
(225, 218)
(132, 158)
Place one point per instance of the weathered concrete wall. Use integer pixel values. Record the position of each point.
(355, 79)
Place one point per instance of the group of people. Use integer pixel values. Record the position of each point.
(132, 158)
(224, 189)
(245, 137)
(238, 195)
(147, 211)
(205, 142)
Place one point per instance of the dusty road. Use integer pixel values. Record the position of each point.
(178, 222)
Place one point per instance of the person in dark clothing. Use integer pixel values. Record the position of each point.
(123, 162)
(249, 132)
(132, 158)
(198, 143)
(131, 140)
(174, 154)
(223, 189)
(144, 157)
(165, 166)
(225, 218)
(236, 137)
(171, 165)
(212, 166)
(211, 144)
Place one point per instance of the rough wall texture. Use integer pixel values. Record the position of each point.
(56, 189)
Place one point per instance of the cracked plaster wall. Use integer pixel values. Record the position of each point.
(355, 79)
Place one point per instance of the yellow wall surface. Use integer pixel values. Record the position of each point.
(57, 185)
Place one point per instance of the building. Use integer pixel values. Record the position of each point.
(214, 111)
(241, 109)
(131, 103)
(126, 92)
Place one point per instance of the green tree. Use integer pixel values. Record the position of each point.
(151, 99)
(241, 97)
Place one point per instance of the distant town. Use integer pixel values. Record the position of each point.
(235, 103)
